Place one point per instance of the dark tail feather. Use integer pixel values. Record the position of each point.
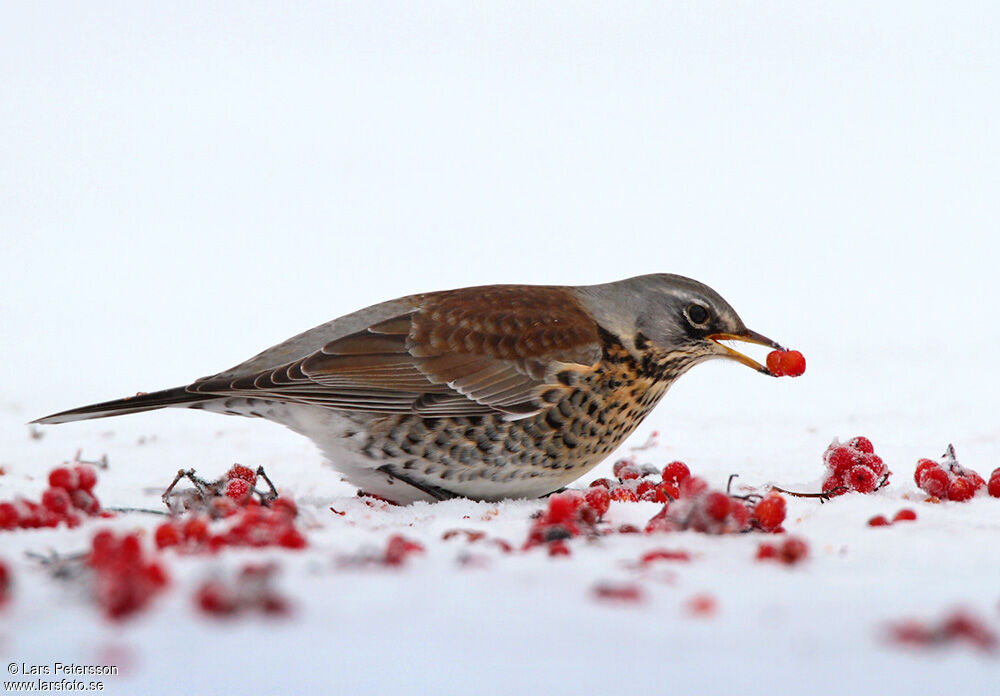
(178, 396)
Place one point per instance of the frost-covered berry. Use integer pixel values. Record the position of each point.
(65, 478)
(599, 499)
(934, 481)
(922, 466)
(675, 472)
(861, 479)
(961, 489)
(993, 487)
(716, 506)
(238, 489)
(770, 512)
(624, 494)
(167, 534)
(238, 471)
(86, 476)
(57, 500)
(861, 444)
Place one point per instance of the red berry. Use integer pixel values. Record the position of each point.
(84, 501)
(665, 492)
(562, 507)
(692, 486)
(167, 534)
(86, 477)
(238, 471)
(976, 480)
(905, 515)
(786, 363)
(793, 363)
(624, 494)
(841, 460)
(214, 598)
(238, 489)
(739, 513)
(645, 486)
(766, 551)
(56, 500)
(922, 466)
(793, 550)
(62, 477)
(626, 470)
(861, 444)
(878, 521)
(834, 486)
(603, 482)
(934, 481)
(770, 512)
(599, 499)
(10, 518)
(993, 488)
(874, 462)
(675, 472)
(196, 530)
(961, 489)
(861, 478)
(717, 506)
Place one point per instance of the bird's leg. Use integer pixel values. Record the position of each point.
(433, 491)
(274, 491)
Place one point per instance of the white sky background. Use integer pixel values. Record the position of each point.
(185, 184)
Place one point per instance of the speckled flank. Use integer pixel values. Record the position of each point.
(494, 457)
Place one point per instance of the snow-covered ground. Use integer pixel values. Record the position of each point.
(183, 185)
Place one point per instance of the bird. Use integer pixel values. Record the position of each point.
(489, 393)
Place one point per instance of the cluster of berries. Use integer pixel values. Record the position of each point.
(956, 626)
(947, 480)
(125, 579)
(790, 551)
(688, 503)
(249, 520)
(714, 512)
(251, 591)
(904, 515)
(4, 583)
(567, 515)
(634, 483)
(253, 525)
(786, 363)
(70, 494)
(853, 466)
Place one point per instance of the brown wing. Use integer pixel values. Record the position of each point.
(463, 352)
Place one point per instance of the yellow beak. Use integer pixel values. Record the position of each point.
(748, 337)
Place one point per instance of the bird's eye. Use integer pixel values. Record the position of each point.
(697, 314)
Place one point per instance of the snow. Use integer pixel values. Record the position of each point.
(185, 185)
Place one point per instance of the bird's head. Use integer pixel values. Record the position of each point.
(675, 315)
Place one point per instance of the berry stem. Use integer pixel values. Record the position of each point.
(822, 495)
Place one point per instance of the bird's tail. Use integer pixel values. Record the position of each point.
(178, 396)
